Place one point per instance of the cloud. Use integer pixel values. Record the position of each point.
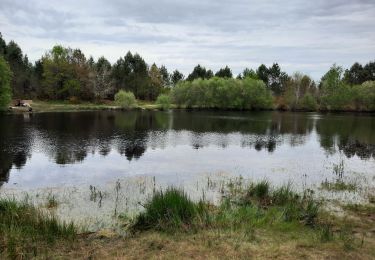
(305, 36)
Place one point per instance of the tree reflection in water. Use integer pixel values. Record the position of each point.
(68, 138)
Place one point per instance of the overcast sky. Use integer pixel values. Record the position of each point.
(307, 36)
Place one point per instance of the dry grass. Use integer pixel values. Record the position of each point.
(213, 244)
(273, 242)
(66, 106)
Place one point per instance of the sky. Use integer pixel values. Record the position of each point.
(305, 36)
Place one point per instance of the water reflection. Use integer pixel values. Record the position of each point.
(15, 144)
(68, 138)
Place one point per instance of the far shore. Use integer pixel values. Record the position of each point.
(41, 106)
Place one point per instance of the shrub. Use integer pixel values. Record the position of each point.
(340, 98)
(308, 102)
(223, 93)
(163, 101)
(365, 96)
(5, 90)
(167, 211)
(125, 99)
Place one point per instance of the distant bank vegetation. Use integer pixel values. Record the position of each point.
(66, 74)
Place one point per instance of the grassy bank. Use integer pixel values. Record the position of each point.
(256, 221)
(26, 231)
(66, 106)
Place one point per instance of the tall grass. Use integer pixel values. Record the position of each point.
(24, 228)
(259, 190)
(263, 204)
(169, 210)
(257, 205)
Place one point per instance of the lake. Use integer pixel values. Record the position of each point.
(97, 163)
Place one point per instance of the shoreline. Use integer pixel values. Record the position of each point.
(345, 233)
(39, 106)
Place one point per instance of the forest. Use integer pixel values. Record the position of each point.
(67, 74)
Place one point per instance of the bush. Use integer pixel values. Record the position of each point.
(5, 90)
(223, 93)
(163, 101)
(308, 102)
(365, 96)
(167, 211)
(125, 99)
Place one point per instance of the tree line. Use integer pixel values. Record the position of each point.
(64, 73)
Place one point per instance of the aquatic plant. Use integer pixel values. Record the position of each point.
(338, 185)
(51, 201)
(259, 190)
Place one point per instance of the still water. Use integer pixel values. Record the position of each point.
(66, 153)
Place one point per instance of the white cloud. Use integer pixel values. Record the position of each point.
(299, 35)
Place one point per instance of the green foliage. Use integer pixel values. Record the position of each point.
(273, 77)
(156, 82)
(299, 93)
(259, 205)
(166, 78)
(224, 73)
(335, 94)
(284, 195)
(200, 72)
(131, 74)
(365, 96)
(5, 90)
(125, 99)
(248, 73)
(163, 101)
(260, 190)
(308, 103)
(223, 93)
(21, 70)
(168, 211)
(358, 74)
(72, 87)
(23, 228)
(176, 77)
(64, 73)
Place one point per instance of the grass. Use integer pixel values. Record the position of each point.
(64, 106)
(255, 220)
(339, 185)
(256, 205)
(254, 214)
(24, 229)
(169, 211)
(67, 106)
(52, 201)
(361, 209)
